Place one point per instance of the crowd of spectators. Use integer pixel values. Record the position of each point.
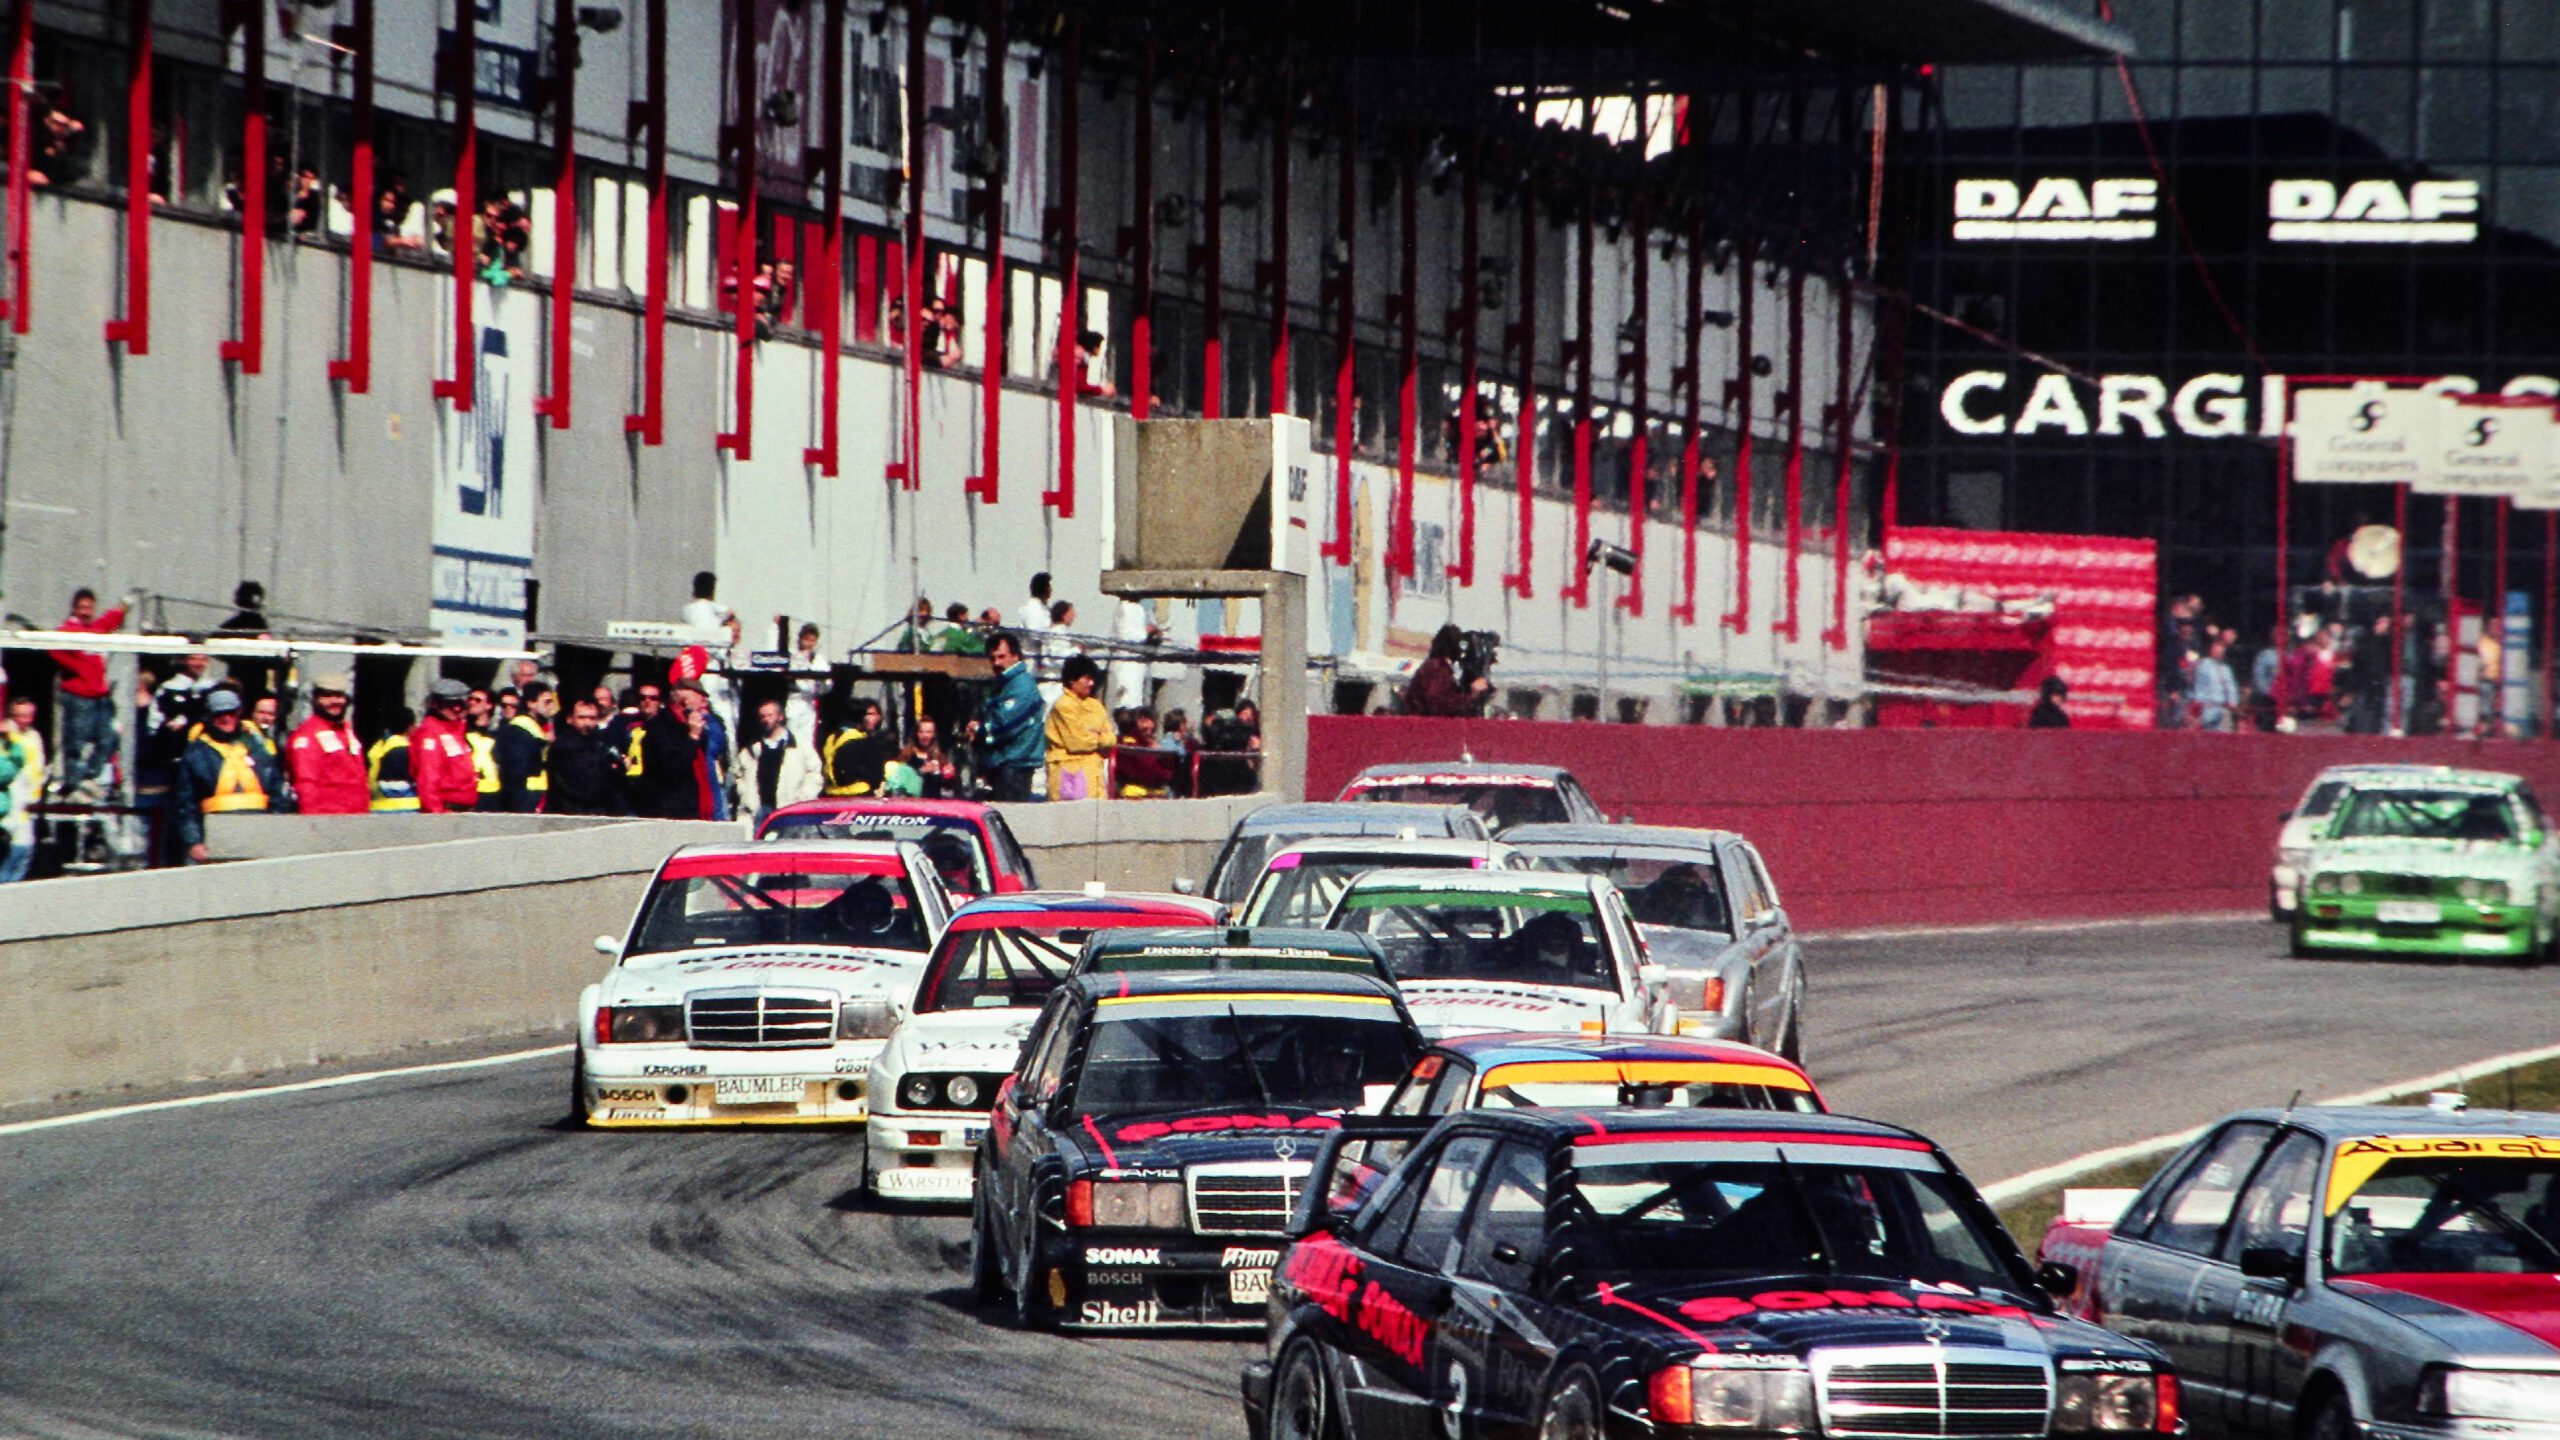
(2331, 670)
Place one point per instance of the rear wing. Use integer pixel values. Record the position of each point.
(1350, 1166)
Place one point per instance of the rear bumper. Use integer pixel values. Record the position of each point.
(924, 1156)
(1117, 1280)
(667, 1085)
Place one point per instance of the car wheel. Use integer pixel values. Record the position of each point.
(986, 1277)
(1573, 1409)
(1030, 1309)
(2332, 1421)
(2301, 948)
(1301, 1401)
(578, 1090)
(1791, 1043)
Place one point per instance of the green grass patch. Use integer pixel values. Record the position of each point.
(2525, 1087)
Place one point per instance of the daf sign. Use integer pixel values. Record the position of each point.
(2056, 208)
(2373, 212)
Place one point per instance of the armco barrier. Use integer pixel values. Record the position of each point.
(1922, 827)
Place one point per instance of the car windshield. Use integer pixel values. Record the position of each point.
(2425, 815)
(1455, 935)
(778, 907)
(994, 968)
(1501, 806)
(1678, 893)
(1236, 1059)
(1649, 1090)
(1304, 891)
(1674, 1220)
(2437, 1215)
(958, 852)
(2322, 799)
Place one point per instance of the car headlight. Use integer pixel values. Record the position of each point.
(916, 1091)
(2493, 892)
(962, 1090)
(2325, 884)
(2107, 1402)
(2352, 884)
(866, 1020)
(640, 1024)
(1769, 1399)
(2489, 1394)
(1138, 1204)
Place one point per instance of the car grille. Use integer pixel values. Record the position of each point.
(2419, 886)
(1932, 1394)
(759, 1019)
(1252, 1197)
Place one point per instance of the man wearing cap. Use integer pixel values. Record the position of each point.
(324, 758)
(441, 763)
(226, 769)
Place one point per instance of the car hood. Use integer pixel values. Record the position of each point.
(2473, 1316)
(1468, 1007)
(2453, 858)
(1796, 1314)
(977, 1041)
(1161, 1145)
(849, 973)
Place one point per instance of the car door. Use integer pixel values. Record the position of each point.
(1018, 1132)
(2153, 1284)
(1751, 907)
(1649, 1004)
(2262, 1375)
(1407, 1264)
(1491, 1358)
(1777, 956)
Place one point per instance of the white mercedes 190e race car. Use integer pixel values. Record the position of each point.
(757, 983)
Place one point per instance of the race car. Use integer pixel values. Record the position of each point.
(2309, 816)
(1302, 879)
(967, 841)
(1478, 950)
(1232, 949)
(1505, 795)
(1143, 1159)
(2454, 862)
(2328, 1272)
(1704, 903)
(1240, 861)
(756, 983)
(962, 1032)
(1594, 1070)
(1615, 1272)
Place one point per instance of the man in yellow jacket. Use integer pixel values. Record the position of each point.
(1080, 733)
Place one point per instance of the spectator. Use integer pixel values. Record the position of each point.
(265, 715)
(392, 202)
(583, 774)
(2217, 693)
(670, 781)
(440, 225)
(1146, 770)
(227, 769)
(2176, 654)
(937, 775)
(323, 758)
(2266, 687)
(1175, 733)
(1435, 688)
(194, 676)
(2370, 710)
(641, 704)
(155, 761)
(1226, 738)
(1249, 720)
(942, 347)
(309, 202)
(522, 750)
(713, 733)
(524, 673)
(856, 757)
(1055, 648)
(959, 636)
(480, 725)
(919, 634)
(704, 613)
(1032, 620)
(21, 746)
(510, 704)
(52, 135)
(777, 769)
(249, 617)
(387, 766)
(1132, 675)
(1008, 730)
(441, 761)
(86, 715)
(1079, 731)
(811, 678)
(1093, 373)
(2049, 714)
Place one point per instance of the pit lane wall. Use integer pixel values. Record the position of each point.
(1940, 827)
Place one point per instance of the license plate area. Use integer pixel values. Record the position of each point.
(2408, 912)
(970, 1135)
(760, 1090)
(1248, 1287)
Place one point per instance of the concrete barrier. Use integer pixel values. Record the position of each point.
(1127, 844)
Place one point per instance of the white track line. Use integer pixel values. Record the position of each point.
(225, 1097)
(2033, 927)
(2018, 1187)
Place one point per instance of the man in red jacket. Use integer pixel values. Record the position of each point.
(441, 764)
(88, 719)
(323, 757)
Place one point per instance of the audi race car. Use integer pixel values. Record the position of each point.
(755, 985)
(1615, 1272)
(1142, 1162)
(935, 1079)
(967, 841)
(2449, 862)
(1478, 950)
(2303, 824)
(1301, 880)
(1240, 861)
(1234, 949)
(1501, 1070)
(2344, 1273)
(1505, 795)
(1709, 914)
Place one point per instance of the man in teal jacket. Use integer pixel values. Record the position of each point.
(1009, 727)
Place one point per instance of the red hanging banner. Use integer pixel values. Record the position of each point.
(1465, 321)
(249, 348)
(22, 52)
(1583, 352)
(461, 70)
(564, 210)
(1070, 249)
(745, 296)
(984, 485)
(824, 283)
(1345, 313)
(356, 366)
(1523, 336)
(1737, 394)
(1406, 310)
(133, 331)
(1636, 364)
(650, 424)
(1687, 377)
(1786, 626)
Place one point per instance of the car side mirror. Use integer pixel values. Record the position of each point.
(2057, 1279)
(2284, 814)
(607, 945)
(1185, 885)
(2271, 1262)
(1653, 973)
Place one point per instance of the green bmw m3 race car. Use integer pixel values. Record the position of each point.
(2441, 862)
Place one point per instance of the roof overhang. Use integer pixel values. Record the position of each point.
(1953, 32)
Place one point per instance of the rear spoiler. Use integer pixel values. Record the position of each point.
(1322, 1201)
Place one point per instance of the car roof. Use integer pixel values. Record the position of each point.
(1142, 984)
(2351, 1122)
(774, 854)
(1502, 1048)
(875, 805)
(1582, 1122)
(1345, 817)
(1045, 909)
(1392, 845)
(2417, 775)
(1492, 882)
(1616, 837)
(1238, 937)
(1424, 771)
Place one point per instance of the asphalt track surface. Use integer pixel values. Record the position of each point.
(435, 1256)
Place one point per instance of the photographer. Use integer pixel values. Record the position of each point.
(1435, 688)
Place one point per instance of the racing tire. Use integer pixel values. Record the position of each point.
(986, 1275)
(2332, 1421)
(1790, 1046)
(1028, 1310)
(1572, 1411)
(1301, 1399)
(578, 1118)
(2301, 948)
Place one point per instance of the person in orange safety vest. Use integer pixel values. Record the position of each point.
(228, 767)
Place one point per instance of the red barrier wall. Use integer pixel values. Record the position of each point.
(1933, 827)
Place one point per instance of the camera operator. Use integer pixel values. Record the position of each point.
(1436, 688)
